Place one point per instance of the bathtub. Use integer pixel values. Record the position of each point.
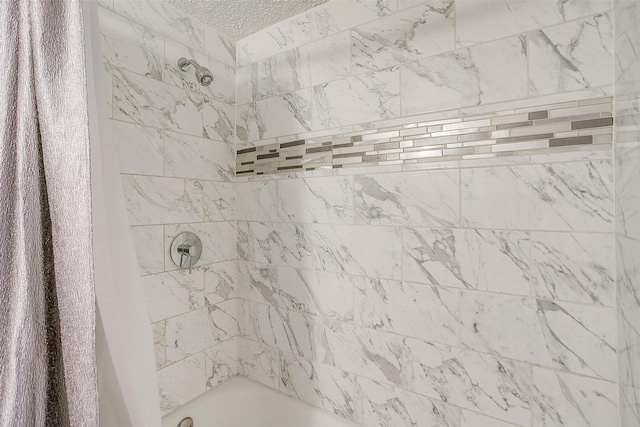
(241, 402)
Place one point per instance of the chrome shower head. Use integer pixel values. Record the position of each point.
(203, 74)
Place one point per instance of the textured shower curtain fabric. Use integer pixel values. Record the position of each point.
(47, 305)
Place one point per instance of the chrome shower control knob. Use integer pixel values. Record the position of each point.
(186, 250)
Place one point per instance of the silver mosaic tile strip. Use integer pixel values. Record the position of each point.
(551, 128)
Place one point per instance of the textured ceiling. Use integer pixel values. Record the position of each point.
(239, 18)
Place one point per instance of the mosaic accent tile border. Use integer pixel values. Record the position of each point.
(550, 128)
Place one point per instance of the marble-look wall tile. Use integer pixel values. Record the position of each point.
(473, 419)
(282, 244)
(181, 382)
(383, 405)
(285, 72)
(219, 201)
(140, 149)
(509, 17)
(220, 282)
(375, 354)
(246, 84)
(219, 47)
(106, 4)
(128, 45)
(420, 198)
(258, 282)
(188, 334)
(318, 384)
(362, 98)
(149, 246)
(572, 337)
(317, 292)
(284, 35)
(360, 250)
(243, 241)
(487, 260)
(627, 191)
(336, 16)
(281, 115)
(148, 102)
(427, 312)
(259, 362)
(628, 275)
(165, 19)
(567, 400)
(173, 293)
(218, 241)
(218, 119)
(480, 382)
(257, 200)
(329, 58)
(159, 330)
(221, 362)
(244, 318)
(560, 196)
(424, 30)
(572, 56)
(288, 331)
(628, 347)
(156, 200)
(483, 74)
(573, 267)
(223, 320)
(198, 158)
(320, 200)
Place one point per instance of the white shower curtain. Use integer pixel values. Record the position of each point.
(127, 382)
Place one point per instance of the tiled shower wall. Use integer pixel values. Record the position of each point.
(627, 151)
(176, 154)
(472, 292)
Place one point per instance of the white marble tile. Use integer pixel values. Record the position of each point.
(282, 244)
(106, 4)
(320, 200)
(628, 372)
(218, 119)
(473, 419)
(572, 56)
(560, 196)
(627, 415)
(128, 45)
(220, 282)
(139, 149)
(627, 191)
(188, 334)
(181, 382)
(165, 19)
(259, 362)
(512, 17)
(628, 275)
(244, 317)
(375, 354)
(288, 331)
(487, 73)
(148, 102)
(572, 337)
(198, 158)
(317, 292)
(217, 241)
(362, 98)
(257, 201)
(427, 312)
(568, 400)
(221, 89)
(420, 198)
(277, 38)
(360, 250)
(329, 58)
(219, 47)
(286, 114)
(155, 200)
(173, 293)
(257, 282)
(336, 16)
(159, 343)
(480, 382)
(318, 384)
(383, 405)
(246, 84)
(223, 320)
(221, 362)
(219, 201)
(149, 245)
(488, 260)
(573, 267)
(243, 241)
(285, 72)
(418, 32)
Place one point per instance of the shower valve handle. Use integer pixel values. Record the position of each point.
(187, 251)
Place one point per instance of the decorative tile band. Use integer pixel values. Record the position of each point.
(550, 128)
